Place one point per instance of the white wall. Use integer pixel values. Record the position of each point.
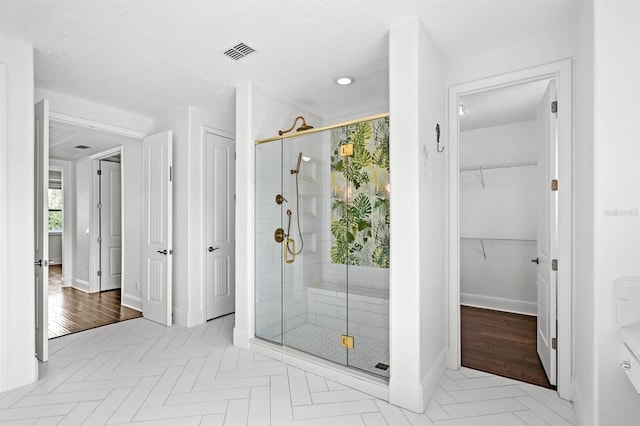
(87, 109)
(68, 216)
(616, 156)
(417, 296)
(585, 383)
(18, 365)
(82, 228)
(188, 125)
(55, 247)
(506, 207)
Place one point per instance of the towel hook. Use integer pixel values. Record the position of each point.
(438, 138)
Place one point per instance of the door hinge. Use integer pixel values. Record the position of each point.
(346, 150)
(99, 239)
(554, 343)
(554, 184)
(170, 174)
(99, 205)
(346, 341)
(99, 172)
(554, 107)
(554, 264)
(99, 273)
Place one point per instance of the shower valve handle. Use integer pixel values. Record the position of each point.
(280, 199)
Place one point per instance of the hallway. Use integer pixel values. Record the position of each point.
(139, 371)
(71, 310)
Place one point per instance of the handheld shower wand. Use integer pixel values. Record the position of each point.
(297, 169)
(296, 172)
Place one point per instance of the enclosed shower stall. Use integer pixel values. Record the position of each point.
(322, 242)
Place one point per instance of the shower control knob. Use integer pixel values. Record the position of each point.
(280, 199)
(213, 248)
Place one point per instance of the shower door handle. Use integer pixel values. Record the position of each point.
(210, 249)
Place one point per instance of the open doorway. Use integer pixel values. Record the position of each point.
(511, 226)
(86, 229)
(503, 142)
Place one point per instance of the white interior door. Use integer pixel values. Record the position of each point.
(220, 225)
(157, 227)
(110, 226)
(547, 233)
(41, 204)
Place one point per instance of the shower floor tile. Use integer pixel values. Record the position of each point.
(325, 343)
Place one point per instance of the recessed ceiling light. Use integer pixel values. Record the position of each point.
(345, 80)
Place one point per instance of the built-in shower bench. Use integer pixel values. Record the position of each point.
(368, 309)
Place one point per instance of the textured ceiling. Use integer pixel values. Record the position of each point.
(148, 55)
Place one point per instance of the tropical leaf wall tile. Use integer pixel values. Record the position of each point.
(360, 190)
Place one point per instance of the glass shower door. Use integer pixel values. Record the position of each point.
(314, 290)
(322, 243)
(269, 261)
(361, 175)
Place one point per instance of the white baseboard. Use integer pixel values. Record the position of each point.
(180, 318)
(434, 376)
(133, 302)
(499, 304)
(67, 281)
(406, 395)
(583, 417)
(240, 338)
(55, 261)
(81, 285)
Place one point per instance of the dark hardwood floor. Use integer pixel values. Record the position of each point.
(71, 310)
(501, 343)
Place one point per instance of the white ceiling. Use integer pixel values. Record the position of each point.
(149, 55)
(63, 138)
(511, 104)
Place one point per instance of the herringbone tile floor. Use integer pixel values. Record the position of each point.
(138, 372)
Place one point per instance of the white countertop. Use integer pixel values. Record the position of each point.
(631, 337)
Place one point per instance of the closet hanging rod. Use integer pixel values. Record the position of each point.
(499, 239)
(499, 166)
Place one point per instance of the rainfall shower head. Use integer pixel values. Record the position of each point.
(297, 169)
(304, 126)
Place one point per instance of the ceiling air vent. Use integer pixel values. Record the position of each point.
(239, 51)
(81, 147)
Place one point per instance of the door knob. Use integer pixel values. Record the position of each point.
(42, 263)
(212, 248)
(163, 252)
(536, 261)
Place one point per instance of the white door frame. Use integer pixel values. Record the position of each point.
(225, 135)
(201, 255)
(561, 72)
(94, 247)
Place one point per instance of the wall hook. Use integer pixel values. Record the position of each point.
(438, 138)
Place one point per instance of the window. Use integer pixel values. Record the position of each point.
(55, 209)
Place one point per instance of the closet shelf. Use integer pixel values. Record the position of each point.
(482, 240)
(498, 166)
(499, 239)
